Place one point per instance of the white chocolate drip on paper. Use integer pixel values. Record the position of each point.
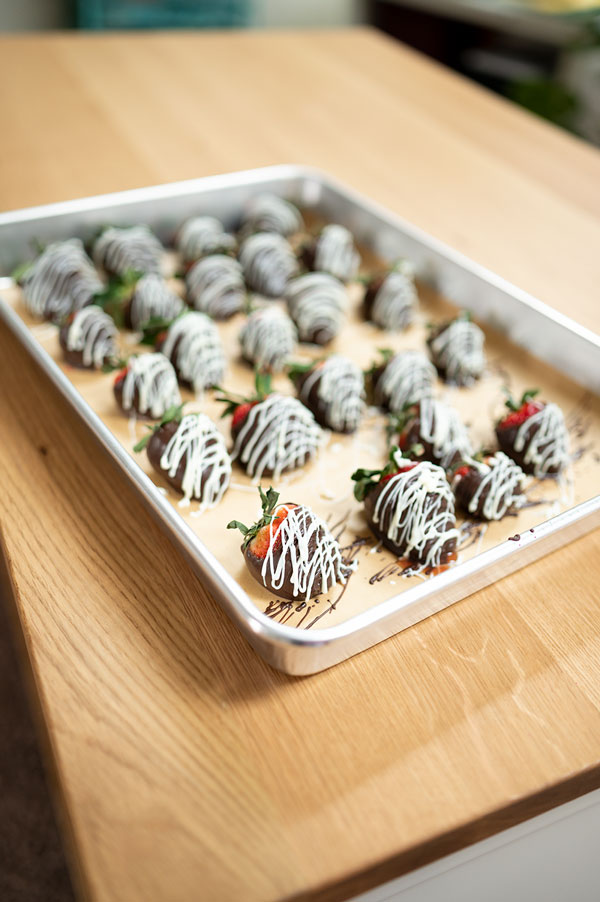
(268, 338)
(316, 301)
(203, 235)
(548, 447)
(268, 263)
(94, 334)
(61, 280)
(340, 386)
(203, 447)
(134, 249)
(458, 350)
(154, 378)
(395, 302)
(193, 344)
(278, 434)
(336, 254)
(503, 479)
(305, 544)
(153, 298)
(440, 426)
(416, 506)
(270, 213)
(407, 378)
(215, 285)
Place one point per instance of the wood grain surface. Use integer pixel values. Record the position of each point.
(187, 768)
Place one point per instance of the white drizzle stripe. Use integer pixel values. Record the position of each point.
(153, 297)
(203, 447)
(408, 377)
(121, 250)
(458, 350)
(270, 213)
(61, 280)
(441, 427)
(396, 300)
(154, 378)
(193, 344)
(278, 434)
(416, 506)
(316, 301)
(94, 334)
(215, 285)
(548, 448)
(296, 532)
(503, 479)
(203, 235)
(340, 387)
(268, 263)
(268, 338)
(335, 253)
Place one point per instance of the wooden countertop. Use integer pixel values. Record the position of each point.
(186, 767)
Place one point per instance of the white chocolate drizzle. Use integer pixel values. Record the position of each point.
(335, 253)
(396, 300)
(503, 480)
(94, 334)
(316, 302)
(278, 434)
(270, 213)
(308, 556)
(193, 344)
(407, 378)
(458, 351)
(207, 465)
(152, 297)
(134, 249)
(203, 235)
(154, 378)
(441, 427)
(268, 338)
(340, 386)
(215, 285)
(268, 263)
(547, 449)
(416, 507)
(61, 280)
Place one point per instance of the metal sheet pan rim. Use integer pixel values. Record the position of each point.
(259, 629)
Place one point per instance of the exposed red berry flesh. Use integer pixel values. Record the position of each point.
(462, 471)
(518, 417)
(269, 536)
(407, 466)
(121, 375)
(241, 412)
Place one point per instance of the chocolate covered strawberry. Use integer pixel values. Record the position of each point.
(333, 389)
(147, 386)
(271, 433)
(395, 380)
(88, 338)
(410, 507)
(290, 551)
(456, 348)
(391, 298)
(189, 452)
(535, 435)
(431, 430)
(488, 486)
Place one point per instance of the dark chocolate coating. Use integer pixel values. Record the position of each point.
(411, 435)
(118, 393)
(268, 471)
(317, 405)
(380, 529)
(459, 378)
(307, 255)
(506, 439)
(286, 590)
(466, 487)
(74, 358)
(155, 449)
(370, 295)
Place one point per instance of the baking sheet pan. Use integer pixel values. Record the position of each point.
(375, 608)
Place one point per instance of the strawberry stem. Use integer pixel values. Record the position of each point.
(175, 412)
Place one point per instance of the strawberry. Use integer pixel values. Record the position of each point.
(259, 537)
(403, 469)
(121, 375)
(241, 412)
(367, 479)
(521, 412)
(462, 471)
